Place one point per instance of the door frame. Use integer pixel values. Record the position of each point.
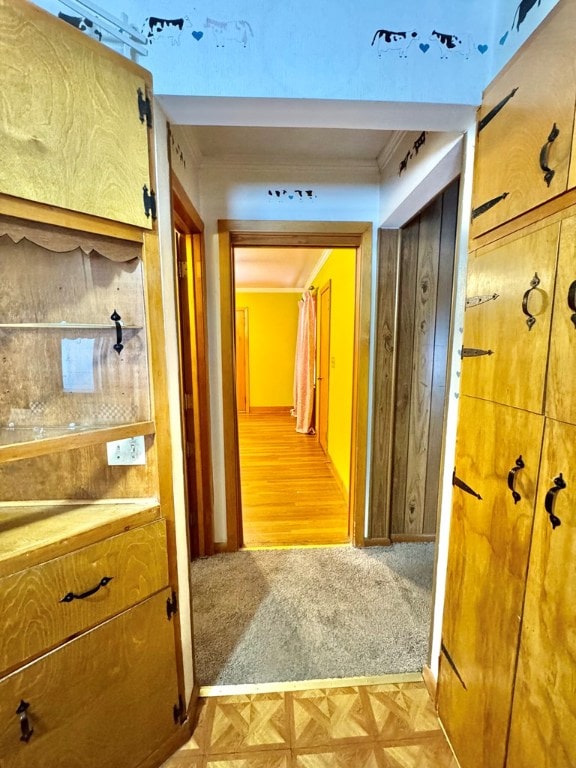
(197, 461)
(318, 234)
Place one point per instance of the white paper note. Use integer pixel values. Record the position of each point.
(78, 365)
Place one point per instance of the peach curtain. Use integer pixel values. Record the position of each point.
(305, 364)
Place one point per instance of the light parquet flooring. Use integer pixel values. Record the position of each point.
(370, 726)
(290, 496)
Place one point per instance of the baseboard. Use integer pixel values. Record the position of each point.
(377, 542)
(430, 682)
(403, 538)
(222, 546)
(257, 409)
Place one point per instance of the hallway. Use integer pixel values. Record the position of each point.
(290, 495)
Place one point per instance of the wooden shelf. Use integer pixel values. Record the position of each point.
(33, 532)
(66, 442)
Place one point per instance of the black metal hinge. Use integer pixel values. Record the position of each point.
(149, 202)
(178, 711)
(144, 108)
(171, 605)
(488, 204)
(494, 111)
(456, 481)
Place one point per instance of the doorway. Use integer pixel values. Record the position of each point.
(287, 234)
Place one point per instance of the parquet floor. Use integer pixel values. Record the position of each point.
(371, 726)
(290, 496)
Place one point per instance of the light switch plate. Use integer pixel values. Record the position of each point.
(128, 451)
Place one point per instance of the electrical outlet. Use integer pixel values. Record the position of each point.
(129, 451)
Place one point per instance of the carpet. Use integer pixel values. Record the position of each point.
(303, 614)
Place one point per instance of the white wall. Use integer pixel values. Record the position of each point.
(172, 361)
(242, 192)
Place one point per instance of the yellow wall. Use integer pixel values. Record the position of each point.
(340, 270)
(272, 329)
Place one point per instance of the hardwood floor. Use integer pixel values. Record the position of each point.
(290, 495)
(390, 725)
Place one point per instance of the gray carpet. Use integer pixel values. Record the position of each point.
(303, 614)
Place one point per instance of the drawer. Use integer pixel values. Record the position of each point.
(105, 699)
(43, 606)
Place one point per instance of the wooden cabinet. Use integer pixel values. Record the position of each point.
(498, 455)
(509, 298)
(106, 698)
(544, 711)
(70, 104)
(90, 644)
(525, 126)
(506, 689)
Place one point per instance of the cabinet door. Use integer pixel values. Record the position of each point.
(535, 94)
(507, 323)
(560, 392)
(544, 712)
(104, 699)
(489, 543)
(70, 124)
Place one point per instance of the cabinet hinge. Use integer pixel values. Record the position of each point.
(178, 711)
(171, 605)
(182, 269)
(144, 108)
(149, 202)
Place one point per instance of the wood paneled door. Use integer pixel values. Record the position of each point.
(410, 371)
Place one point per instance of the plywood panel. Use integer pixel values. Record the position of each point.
(422, 366)
(511, 365)
(70, 104)
(509, 146)
(544, 712)
(489, 548)
(560, 394)
(106, 698)
(383, 408)
(36, 617)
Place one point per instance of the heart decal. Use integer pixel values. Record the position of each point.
(424, 47)
(482, 48)
(197, 35)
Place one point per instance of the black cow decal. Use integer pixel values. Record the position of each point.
(388, 40)
(84, 25)
(522, 11)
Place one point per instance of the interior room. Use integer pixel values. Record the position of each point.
(186, 194)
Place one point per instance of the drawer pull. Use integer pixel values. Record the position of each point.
(512, 478)
(25, 727)
(572, 301)
(550, 500)
(73, 596)
(116, 317)
(545, 151)
(534, 283)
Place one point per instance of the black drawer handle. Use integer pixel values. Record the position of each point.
(26, 729)
(544, 155)
(572, 301)
(512, 478)
(73, 596)
(116, 317)
(550, 500)
(534, 283)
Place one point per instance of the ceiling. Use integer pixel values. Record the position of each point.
(319, 146)
(280, 269)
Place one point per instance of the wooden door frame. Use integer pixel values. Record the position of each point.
(310, 234)
(186, 219)
(244, 311)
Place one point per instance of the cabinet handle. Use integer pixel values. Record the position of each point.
(512, 478)
(550, 500)
(116, 317)
(25, 727)
(572, 301)
(73, 596)
(545, 151)
(534, 283)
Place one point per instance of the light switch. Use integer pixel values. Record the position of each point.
(128, 451)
